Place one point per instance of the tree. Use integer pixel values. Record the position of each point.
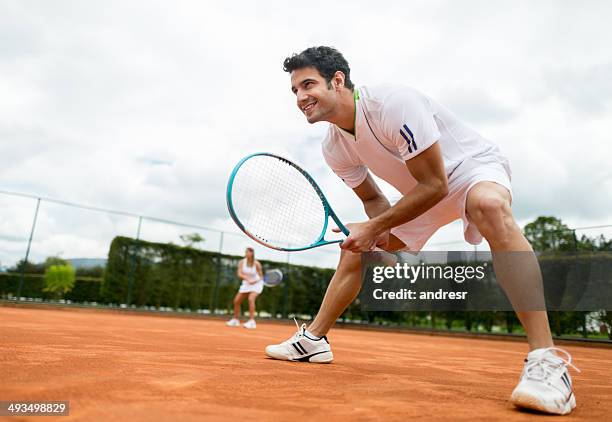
(605, 319)
(602, 244)
(59, 279)
(191, 239)
(54, 260)
(27, 267)
(550, 234)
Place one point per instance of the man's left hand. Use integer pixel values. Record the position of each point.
(363, 238)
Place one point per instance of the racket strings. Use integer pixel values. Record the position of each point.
(273, 278)
(277, 204)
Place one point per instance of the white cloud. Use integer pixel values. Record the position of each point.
(146, 106)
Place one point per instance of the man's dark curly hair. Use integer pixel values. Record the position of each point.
(327, 60)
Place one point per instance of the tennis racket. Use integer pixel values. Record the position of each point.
(273, 278)
(277, 204)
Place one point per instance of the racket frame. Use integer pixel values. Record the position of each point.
(273, 271)
(329, 212)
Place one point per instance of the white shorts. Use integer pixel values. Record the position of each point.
(417, 232)
(246, 287)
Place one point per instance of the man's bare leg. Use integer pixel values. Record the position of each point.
(488, 206)
(343, 289)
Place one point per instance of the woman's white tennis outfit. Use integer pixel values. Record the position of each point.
(394, 124)
(251, 274)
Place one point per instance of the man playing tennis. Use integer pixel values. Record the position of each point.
(445, 171)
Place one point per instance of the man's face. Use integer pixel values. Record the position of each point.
(314, 98)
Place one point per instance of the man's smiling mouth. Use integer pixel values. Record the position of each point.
(309, 106)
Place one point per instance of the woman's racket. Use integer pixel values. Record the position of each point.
(278, 204)
(273, 278)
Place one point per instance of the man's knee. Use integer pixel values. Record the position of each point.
(493, 217)
(491, 209)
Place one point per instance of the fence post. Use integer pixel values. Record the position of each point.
(218, 278)
(133, 265)
(27, 255)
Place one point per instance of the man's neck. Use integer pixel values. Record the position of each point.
(345, 116)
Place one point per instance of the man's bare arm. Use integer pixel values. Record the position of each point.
(432, 185)
(374, 202)
(428, 170)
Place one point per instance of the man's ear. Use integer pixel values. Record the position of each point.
(338, 80)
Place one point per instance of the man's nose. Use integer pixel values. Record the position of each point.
(301, 96)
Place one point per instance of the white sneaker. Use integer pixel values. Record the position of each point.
(250, 324)
(302, 348)
(545, 383)
(233, 323)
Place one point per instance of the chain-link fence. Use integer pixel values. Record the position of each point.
(37, 231)
(33, 228)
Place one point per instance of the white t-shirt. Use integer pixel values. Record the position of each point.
(395, 123)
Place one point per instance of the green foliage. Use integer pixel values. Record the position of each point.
(84, 290)
(567, 322)
(59, 279)
(166, 275)
(550, 234)
(158, 274)
(54, 260)
(510, 321)
(27, 267)
(32, 287)
(595, 244)
(191, 239)
(90, 272)
(605, 318)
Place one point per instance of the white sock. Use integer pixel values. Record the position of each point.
(311, 336)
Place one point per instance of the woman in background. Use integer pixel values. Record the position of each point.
(251, 274)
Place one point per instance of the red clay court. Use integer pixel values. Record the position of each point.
(143, 367)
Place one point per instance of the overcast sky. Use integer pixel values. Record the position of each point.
(146, 106)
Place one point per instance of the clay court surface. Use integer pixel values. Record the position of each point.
(120, 366)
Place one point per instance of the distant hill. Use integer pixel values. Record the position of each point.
(87, 262)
